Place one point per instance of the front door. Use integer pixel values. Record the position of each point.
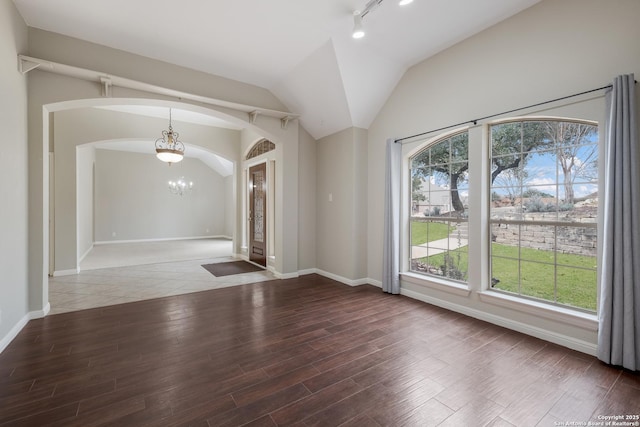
(258, 214)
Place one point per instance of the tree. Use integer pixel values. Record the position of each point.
(449, 160)
(570, 142)
(577, 154)
(511, 180)
(512, 143)
(417, 195)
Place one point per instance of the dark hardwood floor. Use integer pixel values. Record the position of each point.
(304, 352)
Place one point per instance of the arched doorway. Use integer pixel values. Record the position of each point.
(238, 188)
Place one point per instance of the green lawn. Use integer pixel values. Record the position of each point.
(575, 286)
(423, 232)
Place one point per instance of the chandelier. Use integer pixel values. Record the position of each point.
(180, 187)
(168, 148)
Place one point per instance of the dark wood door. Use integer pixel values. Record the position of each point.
(258, 214)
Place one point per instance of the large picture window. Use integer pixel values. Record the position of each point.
(439, 194)
(544, 204)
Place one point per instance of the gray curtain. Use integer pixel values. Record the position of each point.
(619, 332)
(391, 245)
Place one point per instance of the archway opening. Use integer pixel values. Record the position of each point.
(108, 137)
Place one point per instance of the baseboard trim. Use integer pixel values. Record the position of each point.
(344, 280)
(6, 340)
(337, 278)
(169, 239)
(376, 283)
(283, 276)
(39, 314)
(70, 272)
(560, 339)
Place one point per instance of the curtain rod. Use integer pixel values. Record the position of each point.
(475, 122)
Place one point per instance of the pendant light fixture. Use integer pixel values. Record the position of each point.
(168, 148)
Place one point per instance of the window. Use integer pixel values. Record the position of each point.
(439, 192)
(544, 204)
(261, 147)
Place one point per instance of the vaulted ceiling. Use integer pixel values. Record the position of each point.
(301, 50)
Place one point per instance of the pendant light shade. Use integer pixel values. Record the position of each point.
(168, 148)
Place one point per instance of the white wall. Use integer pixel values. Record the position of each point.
(13, 175)
(133, 201)
(86, 158)
(341, 204)
(230, 208)
(307, 193)
(552, 49)
(360, 196)
(76, 127)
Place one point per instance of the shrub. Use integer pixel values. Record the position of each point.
(534, 192)
(434, 212)
(536, 204)
(450, 269)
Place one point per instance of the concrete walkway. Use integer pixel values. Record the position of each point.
(437, 247)
(458, 238)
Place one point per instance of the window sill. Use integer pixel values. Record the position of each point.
(433, 283)
(559, 314)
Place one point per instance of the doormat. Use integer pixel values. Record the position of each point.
(220, 269)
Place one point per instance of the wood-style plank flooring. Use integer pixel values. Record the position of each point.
(303, 352)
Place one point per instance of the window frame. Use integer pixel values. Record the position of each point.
(450, 220)
(479, 225)
(422, 279)
(556, 224)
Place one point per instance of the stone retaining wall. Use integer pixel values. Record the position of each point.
(570, 240)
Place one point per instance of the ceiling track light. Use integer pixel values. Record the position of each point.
(358, 28)
(370, 7)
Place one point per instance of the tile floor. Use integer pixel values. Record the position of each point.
(116, 285)
(139, 253)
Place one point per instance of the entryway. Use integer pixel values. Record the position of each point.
(258, 214)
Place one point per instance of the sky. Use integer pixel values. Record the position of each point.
(543, 172)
